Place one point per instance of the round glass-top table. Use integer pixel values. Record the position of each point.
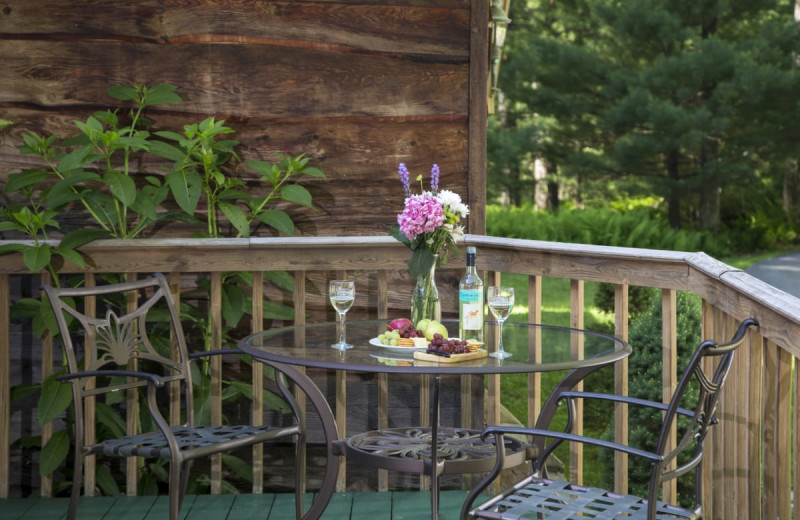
(534, 348)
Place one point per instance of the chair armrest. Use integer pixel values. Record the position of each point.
(571, 437)
(621, 399)
(152, 378)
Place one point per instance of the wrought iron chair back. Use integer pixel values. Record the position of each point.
(138, 346)
(554, 500)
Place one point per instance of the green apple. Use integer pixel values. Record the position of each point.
(423, 324)
(434, 327)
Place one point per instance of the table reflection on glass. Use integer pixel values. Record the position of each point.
(535, 348)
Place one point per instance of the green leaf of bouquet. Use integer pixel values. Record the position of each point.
(297, 194)
(186, 187)
(399, 235)
(54, 453)
(236, 217)
(123, 92)
(278, 219)
(421, 261)
(53, 401)
(36, 258)
(122, 187)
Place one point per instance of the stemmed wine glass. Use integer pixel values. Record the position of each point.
(342, 294)
(501, 301)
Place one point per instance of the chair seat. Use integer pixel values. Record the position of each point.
(154, 444)
(559, 500)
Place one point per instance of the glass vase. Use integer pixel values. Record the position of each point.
(425, 302)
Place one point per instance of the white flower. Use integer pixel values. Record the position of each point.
(452, 201)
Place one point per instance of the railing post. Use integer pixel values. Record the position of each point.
(257, 374)
(5, 385)
(621, 388)
(669, 343)
(577, 321)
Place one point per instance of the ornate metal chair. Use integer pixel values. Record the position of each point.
(539, 497)
(129, 348)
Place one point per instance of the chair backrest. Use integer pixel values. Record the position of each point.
(708, 377)
(133, 326)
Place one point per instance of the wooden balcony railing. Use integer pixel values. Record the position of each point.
(750, 470)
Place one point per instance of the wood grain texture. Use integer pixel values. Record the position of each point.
(356, 86)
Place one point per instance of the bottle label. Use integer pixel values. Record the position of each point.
(470, 296)
(471, 309)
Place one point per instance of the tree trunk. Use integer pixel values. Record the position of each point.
(791, 183)
(552, 187)
(674, 195)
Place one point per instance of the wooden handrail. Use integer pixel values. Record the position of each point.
(756, 415)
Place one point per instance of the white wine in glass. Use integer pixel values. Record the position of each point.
(501, 301)
(342, 294)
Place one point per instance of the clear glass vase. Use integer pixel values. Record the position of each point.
(425, 302)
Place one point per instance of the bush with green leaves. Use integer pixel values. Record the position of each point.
(645, 369)
(93, 172)
(640, 227)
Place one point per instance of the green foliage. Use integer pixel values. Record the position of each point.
(645, 368)
(94, 171)
(694, 102)
(641, 227)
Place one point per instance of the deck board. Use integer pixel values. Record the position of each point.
(398, 505)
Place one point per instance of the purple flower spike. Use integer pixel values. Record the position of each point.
(404, 178)
(435, 178)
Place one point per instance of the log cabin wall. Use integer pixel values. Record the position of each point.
(357, 85)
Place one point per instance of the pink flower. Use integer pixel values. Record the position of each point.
(422, 214)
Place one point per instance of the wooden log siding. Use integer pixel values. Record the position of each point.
(749, 473)
(357, 85)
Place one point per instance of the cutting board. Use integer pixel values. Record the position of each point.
(454, 358)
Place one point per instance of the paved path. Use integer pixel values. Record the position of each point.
(781, 271)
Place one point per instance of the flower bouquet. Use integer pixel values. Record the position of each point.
(429, 225)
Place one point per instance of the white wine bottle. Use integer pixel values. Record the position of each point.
(470, 301)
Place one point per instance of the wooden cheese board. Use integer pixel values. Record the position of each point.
(454, 358)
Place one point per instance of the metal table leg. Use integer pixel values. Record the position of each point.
(329, 430)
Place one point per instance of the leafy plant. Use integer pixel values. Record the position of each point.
(95, 166)
(201, 158)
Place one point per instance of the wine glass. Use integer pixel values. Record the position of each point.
(342, 294)
(501, 301)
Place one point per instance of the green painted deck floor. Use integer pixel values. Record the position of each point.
(399, 505)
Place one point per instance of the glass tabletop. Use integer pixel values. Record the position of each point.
(309, 346)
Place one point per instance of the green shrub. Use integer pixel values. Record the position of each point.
(633, 226)
(645, 381)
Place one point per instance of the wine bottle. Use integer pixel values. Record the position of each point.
(470, 301)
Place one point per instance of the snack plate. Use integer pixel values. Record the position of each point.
(375, 342)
